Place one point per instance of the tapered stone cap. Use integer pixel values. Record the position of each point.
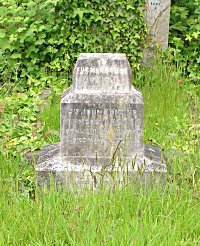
(105, 73)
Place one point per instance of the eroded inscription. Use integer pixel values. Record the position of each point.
(101, 125)
(155, 4)
(158, 14)
(95, 79)
(95, 119)
(102, 75)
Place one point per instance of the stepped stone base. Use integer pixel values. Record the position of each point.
(144, 170)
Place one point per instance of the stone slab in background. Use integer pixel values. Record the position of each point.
(158, 17)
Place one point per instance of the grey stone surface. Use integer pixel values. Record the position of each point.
(102, 73)
(101, 110)
(101, 129)
(50, 165)
(158, 17)
(147, 170)
(94, 125)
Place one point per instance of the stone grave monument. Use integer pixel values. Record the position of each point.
(101, 129)
(157, 19)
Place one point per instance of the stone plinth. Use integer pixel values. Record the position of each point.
(101, 111)
(158, 17)
(146, 171)
(101, 129)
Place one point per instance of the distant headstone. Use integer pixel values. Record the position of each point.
(101, 128)
(158, 17)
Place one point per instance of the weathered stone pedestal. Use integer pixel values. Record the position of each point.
(157, 19)
(101, 130)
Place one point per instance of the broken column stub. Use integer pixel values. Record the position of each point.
(101, 127)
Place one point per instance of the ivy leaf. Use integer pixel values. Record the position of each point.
(189, 38)
(21, 29)
(115, 34)
(198, 60)
(40, 41)
(2, 33)
(16, 56)
(129, 7)
(97, 18)
(79, 12)
(178, 26)
(41, 28)
(196, 34)
(72, 39)
(79, 42)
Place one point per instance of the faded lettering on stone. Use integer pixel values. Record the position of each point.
(157, 16)
(101, 129)
(102, 74)
(93, 124)
(102, 108)
(95, 78)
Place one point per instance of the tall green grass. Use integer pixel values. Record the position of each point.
(127, 216)
(123, 217)
(51, 120)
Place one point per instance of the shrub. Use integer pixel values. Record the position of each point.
(184, 36)
(42, 38)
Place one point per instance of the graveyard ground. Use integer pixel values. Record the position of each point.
(126, 216)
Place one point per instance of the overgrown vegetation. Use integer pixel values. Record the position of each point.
(41, 39)
(123, 216)
(39, 44)
(184, 36)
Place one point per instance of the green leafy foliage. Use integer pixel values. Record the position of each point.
(42, 38)
(20, 129)
(184, 37)
(40, 41)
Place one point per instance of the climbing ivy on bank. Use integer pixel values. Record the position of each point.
(184, 38)
(41, 39)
